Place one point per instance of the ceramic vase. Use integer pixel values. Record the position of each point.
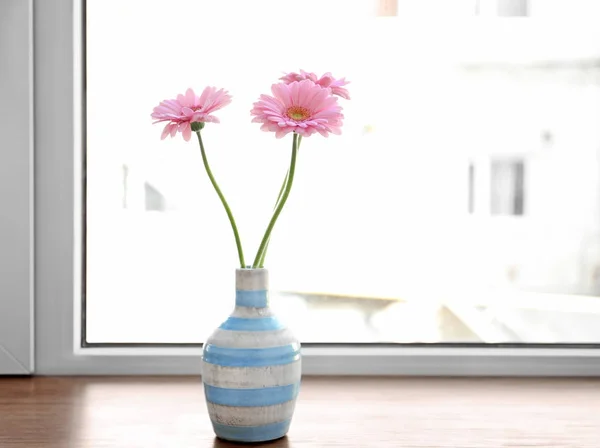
(251, 367)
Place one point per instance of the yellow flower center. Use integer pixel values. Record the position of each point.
(298, 113)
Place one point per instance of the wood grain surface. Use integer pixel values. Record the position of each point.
(169, 412)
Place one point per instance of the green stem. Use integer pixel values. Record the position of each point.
(261, 262)
(286, 193)
(264, 254)
(238, 243)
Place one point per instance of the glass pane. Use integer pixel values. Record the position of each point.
(376, 243)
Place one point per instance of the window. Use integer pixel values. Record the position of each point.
(159, 271)
(505, 194)
(463, 280)
(507, 187)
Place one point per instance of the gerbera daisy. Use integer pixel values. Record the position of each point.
(190, 108)
(327, 80)
(300, 106)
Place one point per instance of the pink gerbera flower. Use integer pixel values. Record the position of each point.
(302, 107)
(190, 108)
(327, 80)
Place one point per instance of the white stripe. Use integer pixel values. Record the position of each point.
(251, 279)
(251, 377)
(248, 312)
(251, 416)
(251, 339)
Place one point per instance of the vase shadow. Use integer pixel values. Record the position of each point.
(278, 443)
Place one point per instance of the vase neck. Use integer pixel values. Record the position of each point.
(251, 288)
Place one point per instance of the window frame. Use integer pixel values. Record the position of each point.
(59, 177)
(16, 189)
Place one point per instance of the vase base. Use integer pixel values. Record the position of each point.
(252, 434)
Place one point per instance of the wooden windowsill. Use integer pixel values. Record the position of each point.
(153, 412)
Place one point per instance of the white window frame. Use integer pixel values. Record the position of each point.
(16, 187)
(58, 224)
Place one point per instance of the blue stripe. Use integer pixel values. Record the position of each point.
(252, 433)
(260, 324)
(265, 396)
(255, 299)
(251, 357)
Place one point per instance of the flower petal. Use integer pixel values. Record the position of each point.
(186, 131)
(166, 131)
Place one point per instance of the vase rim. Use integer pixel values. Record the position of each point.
(251, 279)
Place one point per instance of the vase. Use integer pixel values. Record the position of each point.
(251, 367)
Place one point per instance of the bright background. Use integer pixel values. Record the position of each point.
(405, 228)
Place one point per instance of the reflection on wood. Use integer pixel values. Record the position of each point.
(169, 412)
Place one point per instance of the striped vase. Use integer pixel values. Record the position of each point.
(251, 367)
